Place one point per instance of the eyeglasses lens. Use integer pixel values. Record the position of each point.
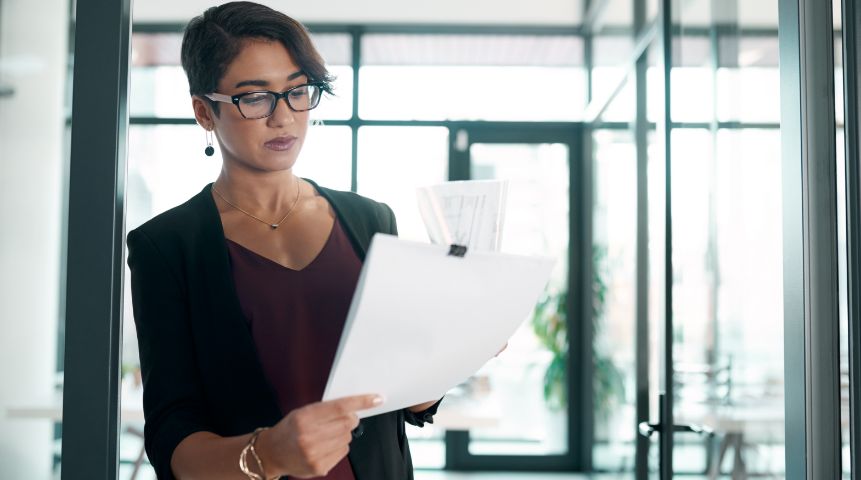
(300, 99)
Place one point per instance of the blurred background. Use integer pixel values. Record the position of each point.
(566, 99)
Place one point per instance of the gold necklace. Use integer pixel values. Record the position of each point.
(273, 226)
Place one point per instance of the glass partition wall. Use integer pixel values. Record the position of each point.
(691, 133)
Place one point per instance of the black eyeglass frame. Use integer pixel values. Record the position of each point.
(235, 99)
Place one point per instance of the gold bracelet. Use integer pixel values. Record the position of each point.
(243, 457)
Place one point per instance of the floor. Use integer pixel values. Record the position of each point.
(147, 474)
(439, 475)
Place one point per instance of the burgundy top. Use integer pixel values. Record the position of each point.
(296, 318)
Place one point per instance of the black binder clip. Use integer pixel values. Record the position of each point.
(457, 250)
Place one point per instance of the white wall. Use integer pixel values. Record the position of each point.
(33, 46)
(510, 12)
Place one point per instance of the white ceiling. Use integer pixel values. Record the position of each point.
(481, 12)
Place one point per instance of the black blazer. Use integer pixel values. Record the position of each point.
(198, 359)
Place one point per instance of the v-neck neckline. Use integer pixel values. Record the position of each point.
(275, 263)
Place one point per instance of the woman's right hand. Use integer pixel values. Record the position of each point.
(311, 440)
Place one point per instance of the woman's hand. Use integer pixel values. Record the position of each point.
(311, 440)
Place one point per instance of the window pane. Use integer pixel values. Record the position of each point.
(471, 77)
(692, 80)
(610, 54)
(728, 295)
(159, 87)
(749, 94)
(748, 79)
(391, 168)
(326, 157)
(614, 302)
(842, 246)
(531, 375)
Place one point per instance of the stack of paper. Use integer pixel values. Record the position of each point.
(422, 321)
(469, 213)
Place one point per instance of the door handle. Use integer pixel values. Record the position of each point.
(647, 429)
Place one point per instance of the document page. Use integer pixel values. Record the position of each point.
(422, 321)
(469, 213)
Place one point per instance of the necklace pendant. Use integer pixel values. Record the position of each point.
(273, 226)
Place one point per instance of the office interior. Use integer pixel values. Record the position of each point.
(692, 165)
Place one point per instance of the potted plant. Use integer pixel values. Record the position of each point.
(550, 324)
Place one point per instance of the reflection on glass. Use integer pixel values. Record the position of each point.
(727, 239)
(530, 375)
(728, 299)
(842, 240)
(657, 204)
(844, 304)
(617, 15)
(748, 94)
(692, 93)
(614, 302)
(623, 106)
(611, 52)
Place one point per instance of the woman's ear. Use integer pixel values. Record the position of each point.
(203, 112)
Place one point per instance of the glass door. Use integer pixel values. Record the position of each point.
(543, 217)
(715, 265)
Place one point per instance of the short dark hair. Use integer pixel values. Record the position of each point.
(214, 39)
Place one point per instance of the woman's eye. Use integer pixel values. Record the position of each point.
(254, 99)
(299, 92)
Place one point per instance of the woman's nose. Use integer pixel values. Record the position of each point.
(282, 114)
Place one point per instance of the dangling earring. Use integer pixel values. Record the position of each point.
(209, 151)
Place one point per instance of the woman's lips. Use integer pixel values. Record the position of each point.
(280, 144)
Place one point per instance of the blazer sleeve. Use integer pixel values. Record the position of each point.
(173, 398)
(425, 416)
(391, 224)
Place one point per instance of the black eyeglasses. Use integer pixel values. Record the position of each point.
(261, 103)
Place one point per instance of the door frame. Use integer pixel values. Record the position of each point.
(580, 427)
(95, 258)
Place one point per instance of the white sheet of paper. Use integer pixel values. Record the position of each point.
(468, 212)
(421, 321)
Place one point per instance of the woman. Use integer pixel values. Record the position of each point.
(240, 294)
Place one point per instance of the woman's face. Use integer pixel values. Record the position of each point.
(266, 144)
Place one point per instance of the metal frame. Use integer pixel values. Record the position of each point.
(95, 240)
(665, 406)
(641, 140)
(811, 320)
(852, 106)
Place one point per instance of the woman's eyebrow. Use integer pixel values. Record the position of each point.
(252, 83)
(264, 83)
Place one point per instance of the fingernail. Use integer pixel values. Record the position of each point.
(378, 400)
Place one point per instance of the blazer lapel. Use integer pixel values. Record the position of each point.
(228, 337)
(355, 224)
